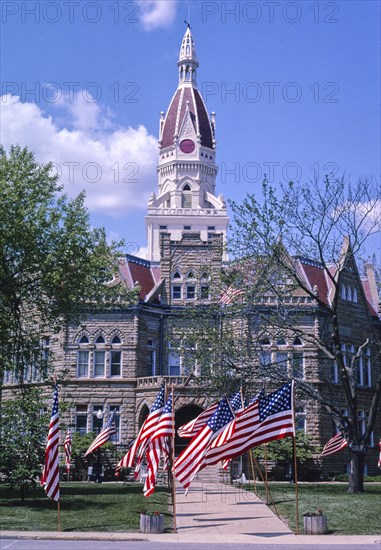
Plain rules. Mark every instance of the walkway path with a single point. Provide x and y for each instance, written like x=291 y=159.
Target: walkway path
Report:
x=217 y=513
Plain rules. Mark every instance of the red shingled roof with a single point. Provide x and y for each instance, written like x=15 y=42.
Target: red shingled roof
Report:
x=316 y=277
x=178 y=106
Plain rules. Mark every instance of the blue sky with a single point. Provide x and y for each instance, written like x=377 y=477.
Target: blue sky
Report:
x=295 y=85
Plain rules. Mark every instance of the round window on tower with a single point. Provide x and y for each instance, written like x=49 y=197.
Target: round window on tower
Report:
x=187 y=146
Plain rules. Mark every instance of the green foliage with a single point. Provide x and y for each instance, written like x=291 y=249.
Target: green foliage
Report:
x=23 y=439
x=280 y=456
x=282 y=451
x=52 y=262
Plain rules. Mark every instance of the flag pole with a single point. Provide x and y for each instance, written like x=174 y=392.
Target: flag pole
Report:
x=295 y=464
x=173 y=461
x=263 y=480
x=266 y=479
x=253 y=471
x=59 y=500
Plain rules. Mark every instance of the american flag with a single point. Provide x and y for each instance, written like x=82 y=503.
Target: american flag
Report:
x=157 y=445
x=67 y=447
x=266 y=419
x=148 y=428
x=123 y=462
x=192 y=428
x=50 y=478
x=192 y=459
x=104 y=435
x=335 y=444
x=230 y=295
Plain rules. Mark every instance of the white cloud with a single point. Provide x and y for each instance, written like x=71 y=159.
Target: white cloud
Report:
x=157 y=13
x=114 y=165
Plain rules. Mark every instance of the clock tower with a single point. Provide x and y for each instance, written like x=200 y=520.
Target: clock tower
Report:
x=186 y=201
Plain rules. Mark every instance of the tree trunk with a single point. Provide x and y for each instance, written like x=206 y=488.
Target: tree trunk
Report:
x=356 y=475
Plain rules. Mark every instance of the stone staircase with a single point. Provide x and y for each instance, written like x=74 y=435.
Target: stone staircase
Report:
x=211 y=474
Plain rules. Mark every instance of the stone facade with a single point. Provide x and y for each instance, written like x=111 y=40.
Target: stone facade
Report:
x=117 y=360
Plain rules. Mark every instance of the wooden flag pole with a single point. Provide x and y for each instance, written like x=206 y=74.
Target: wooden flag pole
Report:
x=172 y=463
x=271 y=498
x=59 y=514
x=253 y=471
x=266 y=479
x=295 y=464
x=59 y=500
x=296 y=488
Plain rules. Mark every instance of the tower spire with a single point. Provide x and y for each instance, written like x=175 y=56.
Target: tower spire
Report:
x=187 y=62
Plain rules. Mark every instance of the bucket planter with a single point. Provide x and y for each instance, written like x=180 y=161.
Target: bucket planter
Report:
x=151 y=522
x=315 y=524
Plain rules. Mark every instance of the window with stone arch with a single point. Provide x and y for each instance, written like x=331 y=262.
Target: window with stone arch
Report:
x=83 y=357
x=116 y=356
x=186 y=197
x=176 y=285
x=99 y=357
x=205 y=285
x=190 y=285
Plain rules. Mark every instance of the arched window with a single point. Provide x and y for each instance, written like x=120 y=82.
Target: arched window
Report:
x=343 y=292
x=99 y=358
x=116 y=358
x=354 y=297
x=281 y=342
x=83 y=358
x=186 y=199
x=349 y=293
x=265 y=342
x=297 y=342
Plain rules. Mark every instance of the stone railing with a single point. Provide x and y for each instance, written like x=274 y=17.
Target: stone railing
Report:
x=151 y=381
x=186 y=211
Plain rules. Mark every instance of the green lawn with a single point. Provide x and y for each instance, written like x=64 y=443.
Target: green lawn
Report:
x=347 y=514
x=84 y=507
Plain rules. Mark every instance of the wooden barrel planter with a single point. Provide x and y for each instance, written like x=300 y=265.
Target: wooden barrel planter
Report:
x=315 y=524
x=151 y=523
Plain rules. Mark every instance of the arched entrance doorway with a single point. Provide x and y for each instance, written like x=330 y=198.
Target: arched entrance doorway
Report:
x=182 y=416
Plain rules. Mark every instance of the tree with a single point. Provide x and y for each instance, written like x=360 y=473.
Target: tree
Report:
x=52 y=262
x=275 y=303
x=329 y=224
x=24 y=425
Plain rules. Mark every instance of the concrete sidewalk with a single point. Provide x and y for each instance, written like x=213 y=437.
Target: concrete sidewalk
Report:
x=216 y=513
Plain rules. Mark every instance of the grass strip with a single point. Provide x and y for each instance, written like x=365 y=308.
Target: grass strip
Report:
x=84 y=507
x=348 y=514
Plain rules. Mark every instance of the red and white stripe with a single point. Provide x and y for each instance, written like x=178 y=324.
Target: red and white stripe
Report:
x=231 y=295
x=50 y=478
x=104 y=436
x=192 y=428
x=67 y=447
x=158 y=445
x=247 y=431
x=334 y=445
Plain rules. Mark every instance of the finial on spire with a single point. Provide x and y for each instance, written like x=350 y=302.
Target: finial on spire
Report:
x=187 y=59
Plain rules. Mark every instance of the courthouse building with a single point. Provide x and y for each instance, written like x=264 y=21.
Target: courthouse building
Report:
x=117 y=360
